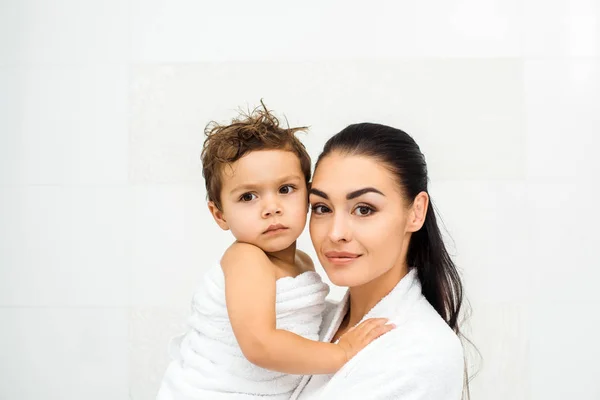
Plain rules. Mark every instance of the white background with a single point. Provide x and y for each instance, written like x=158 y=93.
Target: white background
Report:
x=103 y=224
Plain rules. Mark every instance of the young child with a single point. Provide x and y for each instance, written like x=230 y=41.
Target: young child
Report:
x=255 y=319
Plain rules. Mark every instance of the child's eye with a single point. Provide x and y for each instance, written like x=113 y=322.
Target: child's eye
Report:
x=247 y=197
x=319 y=209
x=363 y=211
x=286 y=189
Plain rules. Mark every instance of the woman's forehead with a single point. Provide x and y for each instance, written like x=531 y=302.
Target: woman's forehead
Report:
x=345 y=173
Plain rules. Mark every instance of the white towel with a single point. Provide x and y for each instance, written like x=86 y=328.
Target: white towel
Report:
x=207 y=360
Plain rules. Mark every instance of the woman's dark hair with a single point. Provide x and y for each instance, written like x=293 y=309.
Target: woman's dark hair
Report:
x=395 y=149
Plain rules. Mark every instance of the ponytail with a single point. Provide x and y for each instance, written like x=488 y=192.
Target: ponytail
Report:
x=439 y=278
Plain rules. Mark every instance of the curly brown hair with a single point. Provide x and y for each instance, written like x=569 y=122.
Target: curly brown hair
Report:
x=256 y=130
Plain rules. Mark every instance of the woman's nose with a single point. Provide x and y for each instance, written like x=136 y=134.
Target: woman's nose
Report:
x=340 y=229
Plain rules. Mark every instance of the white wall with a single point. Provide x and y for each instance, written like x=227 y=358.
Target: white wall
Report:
x=103 y=225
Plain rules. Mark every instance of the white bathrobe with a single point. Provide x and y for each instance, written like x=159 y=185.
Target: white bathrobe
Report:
x=421 y=359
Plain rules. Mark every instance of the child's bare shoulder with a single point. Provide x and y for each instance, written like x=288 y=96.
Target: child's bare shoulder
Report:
x=244 y=253
x=305 y=263
x=241 y=259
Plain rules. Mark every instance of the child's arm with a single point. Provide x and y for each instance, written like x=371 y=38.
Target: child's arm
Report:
x=250 y=295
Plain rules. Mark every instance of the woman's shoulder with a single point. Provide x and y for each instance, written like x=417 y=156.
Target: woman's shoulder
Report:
x=441 y=344
x=421 y=358
x=423 y=338
x=421 y=349
x=425 y=332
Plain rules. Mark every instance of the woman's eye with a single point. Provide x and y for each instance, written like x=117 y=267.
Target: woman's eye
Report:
x=287 y=189
x=247 y=197
x=363 y=211
x=319 y=209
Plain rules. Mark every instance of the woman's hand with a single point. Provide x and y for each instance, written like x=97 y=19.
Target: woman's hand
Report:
x=359 y=336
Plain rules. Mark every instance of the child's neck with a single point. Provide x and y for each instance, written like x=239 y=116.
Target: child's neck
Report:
x=286 y=256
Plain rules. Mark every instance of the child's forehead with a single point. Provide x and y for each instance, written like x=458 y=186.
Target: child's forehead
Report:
x=262 y=166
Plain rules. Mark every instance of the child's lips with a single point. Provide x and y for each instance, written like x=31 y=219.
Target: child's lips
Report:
x=276 y=228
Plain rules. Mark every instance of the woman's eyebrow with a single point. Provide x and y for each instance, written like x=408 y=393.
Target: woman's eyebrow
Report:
x=349 y=196
x=318 y=193
x=360 y=192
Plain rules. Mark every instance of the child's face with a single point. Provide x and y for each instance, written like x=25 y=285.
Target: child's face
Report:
x=264 y=199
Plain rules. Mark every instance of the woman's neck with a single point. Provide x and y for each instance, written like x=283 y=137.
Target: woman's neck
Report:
x=363 y=298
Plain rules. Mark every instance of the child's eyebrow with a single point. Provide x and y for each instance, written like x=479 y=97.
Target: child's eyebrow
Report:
x=250 y=186
x=244 y=188
x=290 y=178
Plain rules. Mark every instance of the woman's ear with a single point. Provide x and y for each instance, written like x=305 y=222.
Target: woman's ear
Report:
x=218 y=216
x=417 y=213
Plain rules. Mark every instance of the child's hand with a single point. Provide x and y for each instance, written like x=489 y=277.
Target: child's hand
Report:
x=359 y=336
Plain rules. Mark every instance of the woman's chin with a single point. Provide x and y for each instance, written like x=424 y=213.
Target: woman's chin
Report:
x=344 y=277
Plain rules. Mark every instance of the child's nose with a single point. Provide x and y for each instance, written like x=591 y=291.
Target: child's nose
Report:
x=272 y=208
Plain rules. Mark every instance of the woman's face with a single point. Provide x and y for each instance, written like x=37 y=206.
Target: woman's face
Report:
x=360 y=223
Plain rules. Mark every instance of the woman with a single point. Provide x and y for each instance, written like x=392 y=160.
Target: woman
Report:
x=374 y=230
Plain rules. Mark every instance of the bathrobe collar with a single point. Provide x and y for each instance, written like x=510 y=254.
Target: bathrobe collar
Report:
x=393 y=306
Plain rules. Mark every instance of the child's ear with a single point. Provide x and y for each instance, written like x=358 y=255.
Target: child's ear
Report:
x=418 y=211
x=218 y=216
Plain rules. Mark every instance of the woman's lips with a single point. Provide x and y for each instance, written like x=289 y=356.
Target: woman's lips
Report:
x=341 y=257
